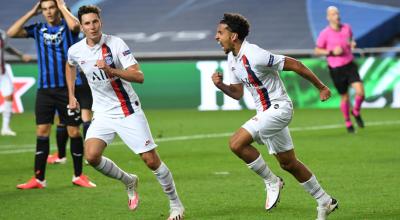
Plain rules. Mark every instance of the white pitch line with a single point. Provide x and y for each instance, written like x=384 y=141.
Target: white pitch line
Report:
x=10 y=149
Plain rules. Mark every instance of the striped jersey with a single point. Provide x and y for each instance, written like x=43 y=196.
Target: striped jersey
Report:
x=52 y=43
x=258 y=70
x=2 y=49
x=112 y=96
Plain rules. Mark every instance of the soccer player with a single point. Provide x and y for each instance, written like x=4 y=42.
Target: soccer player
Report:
x=258 y=70
x=6 y=84
x=110 y=68
x=52 y=38
x=336 y=43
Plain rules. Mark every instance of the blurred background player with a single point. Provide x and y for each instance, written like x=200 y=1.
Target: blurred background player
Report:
x=110 y=68
x=84 y=96
x=53 y=38
x=258 y=70
x=6 y=84
x=336 y=43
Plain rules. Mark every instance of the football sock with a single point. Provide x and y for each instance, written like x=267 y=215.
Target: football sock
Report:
x=166 y=181
x=62 y=138
x=77 y=154
x=110 y=169
x=42 y=151
x=312 y=186
x=345 y=108
x=7 y=112
x=261 y=168
x=357 y=104
x=85 y=126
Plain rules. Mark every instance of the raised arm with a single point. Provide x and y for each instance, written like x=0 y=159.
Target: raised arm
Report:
x=130 y=74
x=298 y=67
x=16 y=52
x=233 y=90
x=70 y=19
x=16 y=30
x=70 y=75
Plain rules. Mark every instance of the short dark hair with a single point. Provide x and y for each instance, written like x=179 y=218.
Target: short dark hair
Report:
x=236 y=23
x=87 y=9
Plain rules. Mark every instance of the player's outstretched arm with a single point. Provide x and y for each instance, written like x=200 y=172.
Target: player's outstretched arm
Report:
x=14 y=51
x=70 y=75
x=130 y=74
x=16 y=29
x=72 y=21
x=233 y=90
x=298 y=67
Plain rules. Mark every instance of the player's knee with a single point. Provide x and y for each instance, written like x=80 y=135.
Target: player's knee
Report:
x=92 y=159
x=289 y=165
x=235 y=145
x=151 y=160
x=73 y=132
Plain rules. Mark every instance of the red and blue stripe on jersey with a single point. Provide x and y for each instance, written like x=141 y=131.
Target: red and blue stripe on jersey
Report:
x=262 y=92
x=117 y=85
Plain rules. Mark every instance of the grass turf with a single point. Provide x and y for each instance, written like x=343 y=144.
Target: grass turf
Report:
x=360 y=170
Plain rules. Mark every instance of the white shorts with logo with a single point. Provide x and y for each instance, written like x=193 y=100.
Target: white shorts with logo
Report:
x=270 y=127
x=6 y=84
x=133 y=130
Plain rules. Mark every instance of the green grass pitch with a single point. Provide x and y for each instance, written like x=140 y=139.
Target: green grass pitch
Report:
x=361 y=170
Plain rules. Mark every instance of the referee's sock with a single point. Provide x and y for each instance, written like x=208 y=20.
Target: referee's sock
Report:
x=345 y=108
x=85 y=126
x=42 y=151
x=358 y=100
x=62 y=138
x=77 y=154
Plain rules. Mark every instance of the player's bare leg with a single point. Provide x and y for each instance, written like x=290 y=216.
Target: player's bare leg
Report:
x=94 y=149
x=289 y=162
x=240 y=144
x=164 y=177
x=7 y=113
x=358 y=99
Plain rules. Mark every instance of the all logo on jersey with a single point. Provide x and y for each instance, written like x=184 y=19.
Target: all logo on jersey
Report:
x=99 y=76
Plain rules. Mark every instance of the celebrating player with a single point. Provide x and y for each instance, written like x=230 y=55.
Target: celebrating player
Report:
x=53 y=39
x=6 y=84
x=110 y=68
x=336 y=42
x=258 y=70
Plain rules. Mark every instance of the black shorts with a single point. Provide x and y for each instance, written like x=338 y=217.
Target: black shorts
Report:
x=48 y=101
x=344 y=76
x=84 y=96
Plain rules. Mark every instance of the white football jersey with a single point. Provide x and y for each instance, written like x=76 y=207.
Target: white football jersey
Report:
x=3 y=37
x=112 y=96
x=258 y=70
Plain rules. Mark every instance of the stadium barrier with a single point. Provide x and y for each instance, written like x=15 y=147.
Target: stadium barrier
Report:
x=187 y=84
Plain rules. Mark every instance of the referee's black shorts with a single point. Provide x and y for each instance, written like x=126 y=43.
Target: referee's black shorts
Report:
x=344 y=76
x=48 y=101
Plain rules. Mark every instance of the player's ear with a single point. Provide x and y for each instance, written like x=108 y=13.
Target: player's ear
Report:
x=234 y=36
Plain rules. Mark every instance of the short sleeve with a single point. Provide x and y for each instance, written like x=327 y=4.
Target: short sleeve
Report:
x=72 y=60
x=233 y=79
x=125 y=55
x=31 y=30
x=321 y=41
x=272 y=61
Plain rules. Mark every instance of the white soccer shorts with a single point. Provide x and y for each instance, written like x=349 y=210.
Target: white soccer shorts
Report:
x=133 y=130
x=6 y=84
x=270 y=127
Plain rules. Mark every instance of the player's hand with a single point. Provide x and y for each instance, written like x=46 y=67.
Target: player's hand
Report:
x=337 y=51
x=26 y=58
x=324 y=93
x=73 y=104
x=217 y=78
x=36 y=9
x=60 y=3
x=101 y=64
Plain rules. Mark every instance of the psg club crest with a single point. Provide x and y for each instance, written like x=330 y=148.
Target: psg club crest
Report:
x=108 y=60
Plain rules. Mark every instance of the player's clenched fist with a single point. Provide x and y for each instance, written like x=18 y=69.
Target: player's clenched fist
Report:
x=217 y=78
x=325 y=94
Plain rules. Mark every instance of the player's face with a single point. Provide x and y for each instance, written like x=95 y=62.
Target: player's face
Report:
x=224 y=38
x=91 y=26
x=333 y=16
x=50 y=11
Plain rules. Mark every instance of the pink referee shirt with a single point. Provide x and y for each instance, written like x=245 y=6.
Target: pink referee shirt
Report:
x=328 y=39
